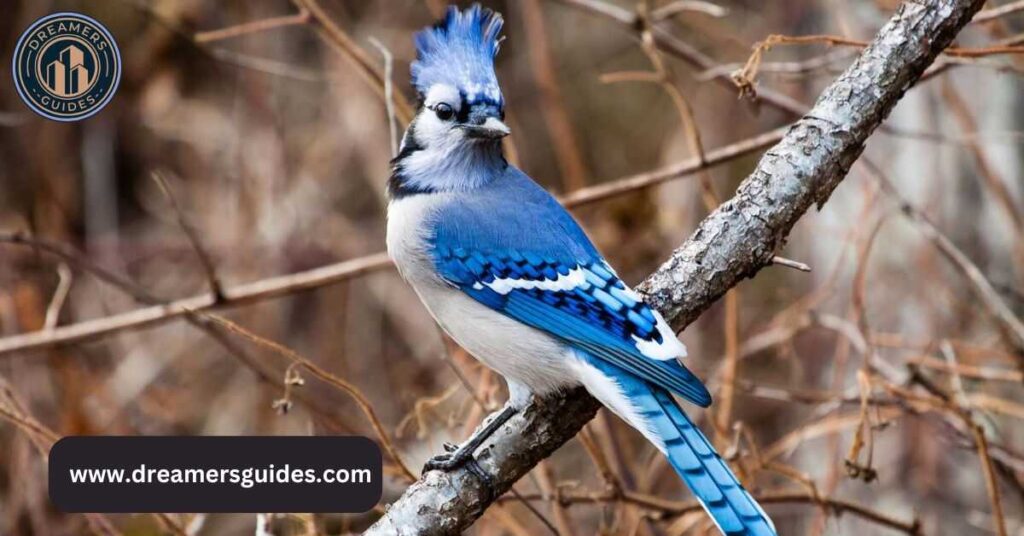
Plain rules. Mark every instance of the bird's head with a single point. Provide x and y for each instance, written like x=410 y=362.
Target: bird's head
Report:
x=455 y=139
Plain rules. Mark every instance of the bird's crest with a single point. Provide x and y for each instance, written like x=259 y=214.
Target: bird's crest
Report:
x=459 y=51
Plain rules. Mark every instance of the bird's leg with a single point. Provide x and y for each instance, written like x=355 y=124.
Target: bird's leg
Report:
x=458 y=455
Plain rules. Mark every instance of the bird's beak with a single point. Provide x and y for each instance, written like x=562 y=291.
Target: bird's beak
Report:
x=491 y=129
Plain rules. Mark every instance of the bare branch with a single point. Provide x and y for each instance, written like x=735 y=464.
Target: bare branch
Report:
x=302 y=17
x=354 y=53
x=672 y=9
x=389 y=94
x=78 y=259
x=645 y=180
x=746 y=77
x=671 y=44
x=732 y=243
x=233 y=296
x=59 y=296
x=989 y=15
x=193 y=238
x=982 y=288
x=361 y=400
x=571 y=164
x=789 y=263
x=275 y=287
x=991 y=484
x=43 y=438
x=679 y=508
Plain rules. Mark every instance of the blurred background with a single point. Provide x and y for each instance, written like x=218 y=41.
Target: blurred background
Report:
x=273 y=142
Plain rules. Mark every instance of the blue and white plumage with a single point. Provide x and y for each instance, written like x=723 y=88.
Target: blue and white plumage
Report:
x=459 y=51
x=511 y=277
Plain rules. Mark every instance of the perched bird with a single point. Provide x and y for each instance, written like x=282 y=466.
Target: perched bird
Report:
x=512 y=278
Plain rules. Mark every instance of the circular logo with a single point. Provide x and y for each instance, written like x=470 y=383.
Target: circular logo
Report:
x=66 y=66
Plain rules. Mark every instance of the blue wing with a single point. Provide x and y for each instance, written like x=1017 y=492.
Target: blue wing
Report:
x=530 y=261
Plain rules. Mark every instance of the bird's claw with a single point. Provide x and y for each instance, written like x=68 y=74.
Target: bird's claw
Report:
x=452 y=459
x=455 y=458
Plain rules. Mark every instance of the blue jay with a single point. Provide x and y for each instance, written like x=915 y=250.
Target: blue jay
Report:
x=512 y=278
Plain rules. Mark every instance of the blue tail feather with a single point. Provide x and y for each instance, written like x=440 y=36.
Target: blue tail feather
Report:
x=714 y=484
x=691 y=454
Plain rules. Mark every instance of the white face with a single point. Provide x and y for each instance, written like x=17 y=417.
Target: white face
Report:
x=446 y=158
x=435 y=126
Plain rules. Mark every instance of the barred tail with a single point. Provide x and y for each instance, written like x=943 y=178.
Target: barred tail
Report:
x=654 y=412
x=712 y=481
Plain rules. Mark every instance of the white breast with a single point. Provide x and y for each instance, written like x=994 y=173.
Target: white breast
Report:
x=518 y=352
x=409 y=221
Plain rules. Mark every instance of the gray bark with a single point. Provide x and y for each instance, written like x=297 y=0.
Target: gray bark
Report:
x=733 y=243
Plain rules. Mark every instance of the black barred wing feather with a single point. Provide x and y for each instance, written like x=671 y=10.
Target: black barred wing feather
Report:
x=583 y=304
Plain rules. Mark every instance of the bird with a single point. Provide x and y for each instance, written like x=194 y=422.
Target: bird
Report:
x=512 y=278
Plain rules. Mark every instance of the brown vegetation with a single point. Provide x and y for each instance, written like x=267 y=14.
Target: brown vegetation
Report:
x=203 y=257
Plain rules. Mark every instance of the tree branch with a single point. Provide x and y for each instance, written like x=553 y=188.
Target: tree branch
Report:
x=286 y=285
x=731 y=244
x=682 y=50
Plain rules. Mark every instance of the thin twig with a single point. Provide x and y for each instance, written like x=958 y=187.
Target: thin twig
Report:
x=72 y=257
x=12 y=409
x=69 y=255
x=678 y=48
x=59 y=296
x=389 y=94
x=233 y=296
x=302 y=17
x=979 y=284
x=823 y=62
x=971 y=371
x=995 y=184
x=327 y=377
x=991 y=484
x=745 y=78
x=43 y=438
x=712 y=158
x=679 y=508
x=193 y=238
x=679 y=6
x=598 y=457
x=854 y=467
x=230 y=57
x=548 y=486
x=991 y=14
x=285 y=285
x=789 y=263
x=571 y=165
x=355 y=54
x=663 y=76
x=958 y=384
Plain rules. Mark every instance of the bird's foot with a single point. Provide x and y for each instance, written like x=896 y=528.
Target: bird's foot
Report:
x=456 y=457
x=453 y=458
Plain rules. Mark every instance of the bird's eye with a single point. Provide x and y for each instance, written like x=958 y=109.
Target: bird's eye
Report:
x=444 y=111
